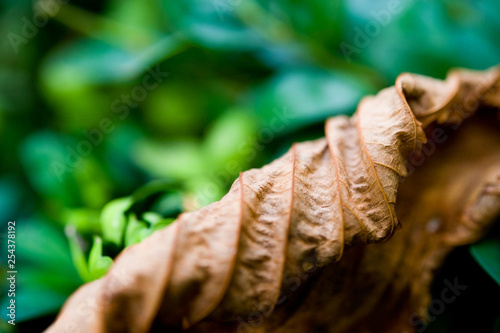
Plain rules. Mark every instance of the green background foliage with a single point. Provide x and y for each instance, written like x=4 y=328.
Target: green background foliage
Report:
x=115 y=116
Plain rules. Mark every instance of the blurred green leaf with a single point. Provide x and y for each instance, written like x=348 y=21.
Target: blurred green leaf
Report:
x=77 y=107
x=45 y=161
x=204 y=190
x=169 y=204
x=140 y=14
x=211 y=24
x=93 y=183
x=317 y=20
x=43 y=252
x=92 y=62
x=302 y=96
x=156 y=200
x=152 y=217
x=179 y=160
x=487 y=254
x=123 y=172
x=98 y=264
x=10 y=198
x=212 y=33
x=44 y=244
x=113 y=220
x=162 y=224
x=152 y=188
x=57 y=171
x=429 y=38
x=86 y=221
x=175 y=108
x=228 y=141
x=39 y=277
x=77 y=253
x=136 y=231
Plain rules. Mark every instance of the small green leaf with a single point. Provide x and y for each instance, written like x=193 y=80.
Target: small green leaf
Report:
x=136 y=231
x=77 y=254
x=487 y=254
x=162 y=224
x=98 y=264
x=113 y=220
x=152 y=217
x=84 y=220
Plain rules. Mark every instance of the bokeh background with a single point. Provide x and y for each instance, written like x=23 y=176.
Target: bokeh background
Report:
x=117 y=115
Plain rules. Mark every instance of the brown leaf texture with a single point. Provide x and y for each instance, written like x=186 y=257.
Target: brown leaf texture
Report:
x=306 y=244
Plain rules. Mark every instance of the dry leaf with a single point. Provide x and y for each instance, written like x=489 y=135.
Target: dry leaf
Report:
x=286 y=249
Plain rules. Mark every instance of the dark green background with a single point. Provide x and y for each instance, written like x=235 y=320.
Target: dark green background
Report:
x=234 y=67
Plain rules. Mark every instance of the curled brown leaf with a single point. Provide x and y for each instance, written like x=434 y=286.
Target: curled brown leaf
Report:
x=289 y=248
